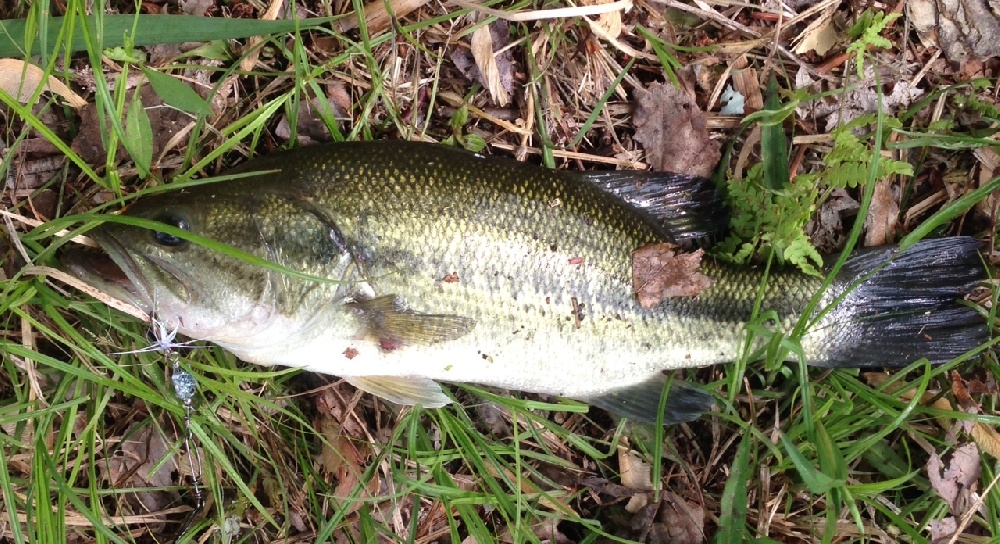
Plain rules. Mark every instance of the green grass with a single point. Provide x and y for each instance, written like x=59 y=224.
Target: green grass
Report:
x=795 y=454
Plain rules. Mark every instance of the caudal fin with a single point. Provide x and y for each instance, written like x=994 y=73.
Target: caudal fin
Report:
x=909 y=308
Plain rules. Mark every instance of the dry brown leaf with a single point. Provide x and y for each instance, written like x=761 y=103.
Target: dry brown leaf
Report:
x=377 y=19
x=338 y=451
x=883 y=216
x=635 y=473
x=270 y=14
x=826 y=231
x=483 y=51
x=610 y=22
x=21 y=79
x=987 y=438
x=195 y=7
x=961 y=393
x=680 y=521
x=674 y=132
x=496 y=57
x=659 y=273
x=820 y=36
x=941 y=530
x=747 y=83
x=140 y=465
x=311 y=128
x=637 y=502
x=989 y=165
x=346 y=451
x=864 y=97
x=957 y=482
x=167 y=125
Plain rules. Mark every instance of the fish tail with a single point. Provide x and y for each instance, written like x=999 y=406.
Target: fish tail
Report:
x=901 y=306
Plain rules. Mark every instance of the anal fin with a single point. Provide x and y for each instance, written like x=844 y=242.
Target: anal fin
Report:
x=641 y=402
x=402 y=389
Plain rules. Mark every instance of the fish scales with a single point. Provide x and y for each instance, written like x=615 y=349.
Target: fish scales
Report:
x=459 y=267
x=524 y=243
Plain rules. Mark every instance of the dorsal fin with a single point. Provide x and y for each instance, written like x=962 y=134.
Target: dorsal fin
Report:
x=689 y=208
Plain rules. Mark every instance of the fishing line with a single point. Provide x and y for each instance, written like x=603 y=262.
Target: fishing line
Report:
x=186 y=390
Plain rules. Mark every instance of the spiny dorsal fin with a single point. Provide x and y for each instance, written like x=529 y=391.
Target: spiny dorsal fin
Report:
x=402 y=389
x=689 y=208
x=641 y=402
x=396 y=326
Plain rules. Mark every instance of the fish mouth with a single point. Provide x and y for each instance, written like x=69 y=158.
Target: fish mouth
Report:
x=122 y=274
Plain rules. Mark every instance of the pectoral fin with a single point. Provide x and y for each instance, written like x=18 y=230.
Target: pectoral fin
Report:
x=396 y=326
x=402 y=390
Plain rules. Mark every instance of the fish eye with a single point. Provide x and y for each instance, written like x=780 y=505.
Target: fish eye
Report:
x=170 y=240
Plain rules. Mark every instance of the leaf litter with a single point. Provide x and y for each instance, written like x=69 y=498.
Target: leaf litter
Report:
x=674 y=131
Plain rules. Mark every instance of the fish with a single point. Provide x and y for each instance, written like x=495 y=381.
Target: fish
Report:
x=400 y=265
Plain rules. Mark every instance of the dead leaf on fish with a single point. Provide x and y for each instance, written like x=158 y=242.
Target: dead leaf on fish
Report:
x=659 y=273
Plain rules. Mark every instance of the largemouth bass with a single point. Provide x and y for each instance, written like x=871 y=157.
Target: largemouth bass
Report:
x=450 y=266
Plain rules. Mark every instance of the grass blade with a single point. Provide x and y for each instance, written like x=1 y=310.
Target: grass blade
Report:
x=773 y=143
x=142 y=30
x=734 y=505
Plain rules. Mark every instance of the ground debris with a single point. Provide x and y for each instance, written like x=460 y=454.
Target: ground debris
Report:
x=310 y=126
x=489 y=61
x=826 y=231
x=681 y=521
x=865 y=96
x=139 y=464
x=165 y=123
x=21 y=79
x=823 y=33
x=956 y=483
x=674 y=131
x=965 y=30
